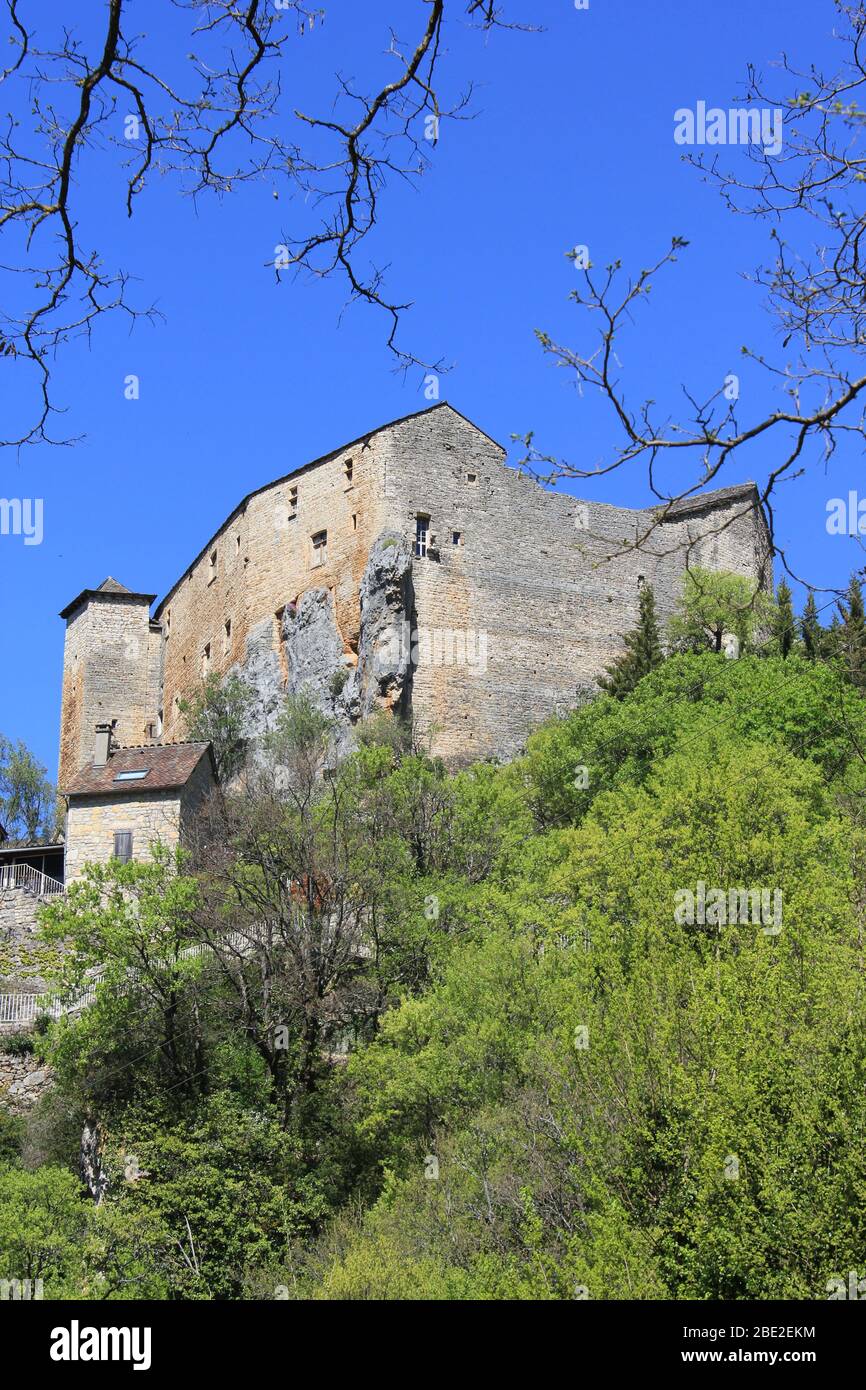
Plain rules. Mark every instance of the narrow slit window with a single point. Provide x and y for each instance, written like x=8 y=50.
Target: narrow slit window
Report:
x=205 y=660
x=318 y=548
x=455 y=537
x=422 y=535
x=227 y=636
x=212 y=567
x=293 y=503
x=348 y=470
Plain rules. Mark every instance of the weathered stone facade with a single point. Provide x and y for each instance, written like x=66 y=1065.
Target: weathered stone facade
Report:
x=93 y=821
x=111 y=667
x=519 y=597
x=24 y=960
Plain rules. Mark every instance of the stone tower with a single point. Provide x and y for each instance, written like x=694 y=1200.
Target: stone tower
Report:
x=110 y=672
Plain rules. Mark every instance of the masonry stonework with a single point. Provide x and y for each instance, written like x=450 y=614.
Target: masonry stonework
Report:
x=24 y=960
x=519 y=601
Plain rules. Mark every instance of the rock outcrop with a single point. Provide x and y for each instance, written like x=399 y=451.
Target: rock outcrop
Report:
x=314 y=661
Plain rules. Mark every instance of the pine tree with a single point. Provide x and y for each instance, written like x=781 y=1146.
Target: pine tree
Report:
x=811 y=630
x=852 y=644
x=643 y=651
x=784 y=626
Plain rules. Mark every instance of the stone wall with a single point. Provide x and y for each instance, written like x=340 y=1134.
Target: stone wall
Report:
x=539 y=586
x=262 y=560
x=23 y=1079
x=23 y=959
x=92 y=822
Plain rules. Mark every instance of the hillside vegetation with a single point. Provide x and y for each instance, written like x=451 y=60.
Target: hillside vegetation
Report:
x=535 y=1080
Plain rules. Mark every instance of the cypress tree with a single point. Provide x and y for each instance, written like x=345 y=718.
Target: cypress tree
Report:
x=784 y=625
x=852 y=640
x=643 y=651
x=811 y=630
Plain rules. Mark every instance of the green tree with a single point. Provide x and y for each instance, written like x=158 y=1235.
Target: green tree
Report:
x=784 y=625
x=852 y=637
x=217 y=713
x=715 y=602
x=643 y=652
x=28 y=801
x=811 y=631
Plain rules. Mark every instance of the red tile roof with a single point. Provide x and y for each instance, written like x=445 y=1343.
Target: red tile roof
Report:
x=168 y=765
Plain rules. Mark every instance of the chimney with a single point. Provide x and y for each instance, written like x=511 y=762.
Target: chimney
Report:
x=102 y=745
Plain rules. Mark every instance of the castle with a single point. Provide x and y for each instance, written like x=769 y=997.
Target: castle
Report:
x=410 y=570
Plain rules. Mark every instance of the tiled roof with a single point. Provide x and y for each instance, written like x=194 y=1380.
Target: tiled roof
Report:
x=167 y=765
x=108 y=587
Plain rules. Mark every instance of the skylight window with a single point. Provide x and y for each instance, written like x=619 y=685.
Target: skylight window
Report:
x=132 y=776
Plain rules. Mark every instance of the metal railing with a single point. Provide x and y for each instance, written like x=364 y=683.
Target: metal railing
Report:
x=25 y=1008
x=30 y=880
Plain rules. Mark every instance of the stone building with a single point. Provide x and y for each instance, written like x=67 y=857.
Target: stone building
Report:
x=411 y=569
x=126 y=799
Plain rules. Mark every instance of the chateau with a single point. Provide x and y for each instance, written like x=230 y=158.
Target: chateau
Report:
x=410 y=570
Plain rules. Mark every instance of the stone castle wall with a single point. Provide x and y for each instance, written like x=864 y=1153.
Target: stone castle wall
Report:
x=261 y=561
x=550 y=582
x=520 y=605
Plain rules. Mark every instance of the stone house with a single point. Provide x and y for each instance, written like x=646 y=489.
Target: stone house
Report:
x=127 y=798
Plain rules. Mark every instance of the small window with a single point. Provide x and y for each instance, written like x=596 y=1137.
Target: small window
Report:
x=205 y=660
x=422 y=534
x=348 y=470
x=123 y=845
x=640 y=581
x=167 y=621
x=212 y=567
x=472 y=477
x=319 y=548
x=227 y=636
x=238 y=543
x=293 y=503
x=455 y=537
x=135 y=776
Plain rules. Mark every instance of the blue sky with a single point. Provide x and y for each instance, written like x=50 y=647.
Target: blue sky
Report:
x=245 y=379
